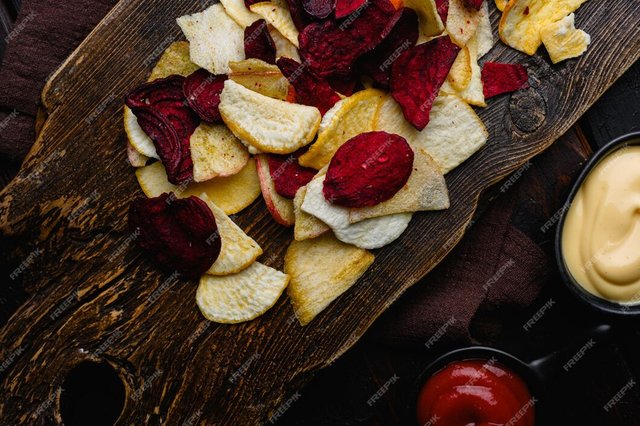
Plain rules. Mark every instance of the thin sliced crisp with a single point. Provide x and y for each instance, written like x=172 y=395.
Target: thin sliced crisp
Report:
x=429 y=20
x=215 y=39
x=137 y=137
x=322 y=269
x=260 y=77
x=215 y=151
x=426 y=190
x=306 y=226
x=460 y=73
x=238 y=250
x=523 y=20
x=348 y=118
x=563 y=41
x=367 y=234
x=454 y=133
x=462 y=22
x=239 y=12
x=240 y=297
x=135 y=158
x=283 y=46
x=281 y=208
x=276 y=13
x=473 y=93
x=174 y=61
x=484 y=33
x=232 y=194
x=501 y=4
x=270 y=125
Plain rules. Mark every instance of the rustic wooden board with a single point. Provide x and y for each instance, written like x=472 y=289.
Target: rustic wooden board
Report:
x=92 y=296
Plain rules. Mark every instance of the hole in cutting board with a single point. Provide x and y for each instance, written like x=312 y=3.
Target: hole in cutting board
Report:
x=92 y=393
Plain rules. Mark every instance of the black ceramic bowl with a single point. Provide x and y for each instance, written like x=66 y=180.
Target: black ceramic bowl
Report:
x=537 y=374
x=598 y=303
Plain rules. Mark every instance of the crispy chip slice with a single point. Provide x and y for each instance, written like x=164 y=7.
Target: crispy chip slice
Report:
x=135 y=158
x=270 y=125
x=306 y=225
x=348 y=118
x=215 y=151
x=232 y=194
x=238 y=251
x=239 y=12
x=430 y=23
x=460 y=73
x=174 y=60
x=260 y=77
x=563 y=41
x=426 y=190
x=522 y=21
x=322 y=269
x=501 y=4
x=484 y=33
x=462 y=22
x=473 y=93
x=454 y=133
x=240 y=297
x=276 y=13
x=215 y=39
x=137 y=137
x=367 y=234
x=281 y=208
x=283 y=46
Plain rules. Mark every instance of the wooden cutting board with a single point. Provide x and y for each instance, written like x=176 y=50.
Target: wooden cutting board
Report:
x=93 y=296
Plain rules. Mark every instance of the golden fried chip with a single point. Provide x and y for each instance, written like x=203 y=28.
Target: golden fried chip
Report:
x=348 y=118
x=232 y=194
x=240 y=297
x=523 y=20
x=429 y=20
x=214 y=38
x=281 y=208
x=137 y=137
x=284 y=48
x=215 y=151
x=484 y=33
x=473 y=93
x=239 y=12
x=261 y=77
x=135 y=158
x=306 y=226
x=174 y=61
x=322 y=269
x=460 y=73
x=563 y=41
x=270 y=125
x=462 y=22
x=238 y=251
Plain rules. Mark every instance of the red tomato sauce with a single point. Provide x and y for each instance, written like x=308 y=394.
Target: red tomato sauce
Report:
x=475 y=393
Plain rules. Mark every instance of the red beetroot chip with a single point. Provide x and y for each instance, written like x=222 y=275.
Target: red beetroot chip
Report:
x=179 y=234
x=500 y=78
x=418 y=74
x=319 y=9
x=368 y=169
x=163 y=113
x=346 y=86
x=258 y=42
x=202 y=91
x=442 y=6
x=310 y=90
x=331 y=48
x=297 y=14
x=403 y=34
x=347 y=7
x=288 y=175
x=473 y=4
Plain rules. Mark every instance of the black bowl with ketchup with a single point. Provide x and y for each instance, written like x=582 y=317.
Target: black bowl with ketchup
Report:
x=477 y=385
x=572 y=271
x=480 y=385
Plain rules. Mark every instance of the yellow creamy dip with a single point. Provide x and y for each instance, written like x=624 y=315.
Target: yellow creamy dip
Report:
x=601 y=234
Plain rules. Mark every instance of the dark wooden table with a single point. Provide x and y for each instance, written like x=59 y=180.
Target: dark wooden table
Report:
x=339 y=395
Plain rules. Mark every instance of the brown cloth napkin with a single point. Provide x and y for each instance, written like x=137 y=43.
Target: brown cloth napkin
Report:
x=496 y=266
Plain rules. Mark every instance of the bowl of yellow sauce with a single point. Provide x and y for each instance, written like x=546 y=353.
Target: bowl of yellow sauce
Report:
x=598 y=235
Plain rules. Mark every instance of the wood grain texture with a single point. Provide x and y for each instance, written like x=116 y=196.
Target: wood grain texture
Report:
x=93 y=296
